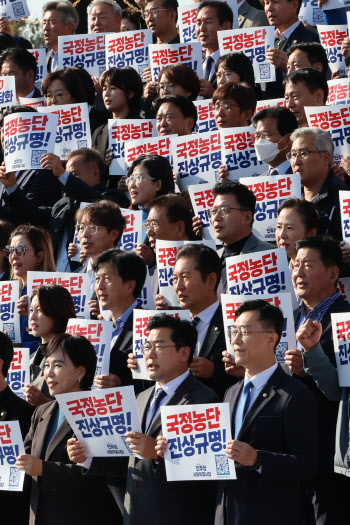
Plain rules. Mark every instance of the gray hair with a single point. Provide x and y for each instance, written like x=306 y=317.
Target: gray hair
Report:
x=68 y=13
x=322 y=139
x=116 y=8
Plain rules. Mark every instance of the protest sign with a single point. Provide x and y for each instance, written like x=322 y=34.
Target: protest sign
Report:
x=14 y=10
x=9 y=317
x=165 y=254
x=162 y=55
x=7 y=91
x=28 y=136
x=86 y=51
x=343 y=285
x=335 y=120
x=129 y=48
x=259 y=273
x=338 y=91
x=196 y=158
x=197 y=437
x=41 y=65
x=238 y=152
x=344 y=199
x=154 y=146
x=202 y=200
x=270 y=192
x=19 y=372
x=101 y=418
x=283 y=301
x=311 y=13
x=187 y=16
x=77 y=284
x=76 y=241
x=335 y=4
x=140 y=320
x=271 y=103
x=32 y=102
x=253 y=42
x=73 y=128
x=341 y=341
x=331 y=38
x=122 y=130
x=205 y=116
x=132 y=233
x=99 y=333
x=11 y=446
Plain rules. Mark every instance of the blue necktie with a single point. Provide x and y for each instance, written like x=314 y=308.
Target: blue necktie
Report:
x=155 y=403
x=207 y=67
x=246 y=396
x=118 y=328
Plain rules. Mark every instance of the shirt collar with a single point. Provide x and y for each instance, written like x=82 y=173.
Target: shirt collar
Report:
x=287 y=32
x=124 y=317
x=30 y=95
x=260 y=379
x=52 y=53
x=283 y=167
x=172 y=385
x=215 y=55
x=206 y=315
x=323 y=305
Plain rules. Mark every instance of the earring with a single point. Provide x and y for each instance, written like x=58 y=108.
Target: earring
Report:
x=79 y=379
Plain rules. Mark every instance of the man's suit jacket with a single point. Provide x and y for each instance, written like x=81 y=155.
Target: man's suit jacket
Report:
x=147 y=490
x=249 y=16
x=267 y=172
x=63 y=494
x=37 y=93
x=252 y=245
x=213 y=345
x=300 y=34
x=281 y=424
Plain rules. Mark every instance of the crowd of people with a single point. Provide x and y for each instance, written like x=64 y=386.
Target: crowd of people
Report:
x=290 y=420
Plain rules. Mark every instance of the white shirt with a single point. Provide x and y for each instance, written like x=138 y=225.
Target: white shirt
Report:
x=281 y=168
x=202 y=326
x=258 y=382
x=169 y=389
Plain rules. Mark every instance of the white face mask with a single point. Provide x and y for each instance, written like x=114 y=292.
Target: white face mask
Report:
x=267 y=151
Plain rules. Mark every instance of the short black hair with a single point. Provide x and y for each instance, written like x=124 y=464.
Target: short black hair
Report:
x=270 y=316
x=74 y=81
x=244 y=196
x=176 y=210
x=127 y=79
x=6 y=352
x=242 y=93
x=286 y=120
x=80 y=351
x=206 y=260
x=158 y=168
x=311 y=78
x=240 y=64
x=223 y=11
x=315 y=53
x=328 y=248
x=307 y=210
x=23 y=59
x=129 y=266
x=183 y=333
x=90 y=156
x=185 y=105
x=103 y=213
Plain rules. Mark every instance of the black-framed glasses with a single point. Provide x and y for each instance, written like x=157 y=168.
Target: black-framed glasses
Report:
x=146 y=14
x=235 y=330
x=302 y=153
x=221 y=210
x=225 y=106
x=157 y=348
x=167 y=87
x=19 y=250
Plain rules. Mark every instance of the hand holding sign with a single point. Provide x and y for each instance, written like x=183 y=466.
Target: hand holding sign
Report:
x=309 y=334
x=142 y=445
x=241 y=452
x=32 y=465
x=161 y=446
x=230 y=366
x=7 y=179
x=76 y=451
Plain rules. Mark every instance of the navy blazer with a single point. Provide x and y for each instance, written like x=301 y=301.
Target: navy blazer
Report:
x=281 y=424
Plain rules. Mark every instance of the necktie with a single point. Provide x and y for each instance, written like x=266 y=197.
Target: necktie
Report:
x=280 y=42
x=194 y=321
x=246 y=396
x=155 y=403
x=207 y=67
x=273 y=171
x=118 y=327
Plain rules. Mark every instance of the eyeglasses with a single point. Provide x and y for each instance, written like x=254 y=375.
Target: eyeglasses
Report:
x=225 y=106
x=167 y=87
x=137 y=179
x=222 y=211
x=243 y=332
x=302 y=153
x=92 y=229
x=263 y=135
x=57 y=96
x=19 y=250
x=146 y=14
x=151 y=225
x=157 y=348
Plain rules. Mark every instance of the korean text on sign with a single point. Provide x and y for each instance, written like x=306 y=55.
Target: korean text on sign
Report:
x=238 y=152
x=162 y=55
x=128 y=48
x=341 y=339
x=86 y=51
x=11 y=446
x=9 y=317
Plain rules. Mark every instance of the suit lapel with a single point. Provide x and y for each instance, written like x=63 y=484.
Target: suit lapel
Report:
x=42 y=429
x=63 y=433
x=143 y=405
x=214 y=329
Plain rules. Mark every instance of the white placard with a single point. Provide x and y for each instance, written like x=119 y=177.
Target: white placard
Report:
x=19 y=372
x=129 y=48
x=311 y=13
x=32 y=102
x=270 y=103
x=86 y=51
x=14 y=10
x=331 y=38
x=238 y=153
x=41 y=65
x=7 y=91
x=202 y=200
x=341 y=341
x=101 y=418
x=11 y=444
x=193 y=453
x=205 y=116
x=132 y=233
x=9 y=317
x=344 y=198
x=338 y=91
x=162 y=55
x=155 y=146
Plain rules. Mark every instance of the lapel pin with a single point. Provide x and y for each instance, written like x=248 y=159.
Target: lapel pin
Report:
x=216 y=328
x=264 y=394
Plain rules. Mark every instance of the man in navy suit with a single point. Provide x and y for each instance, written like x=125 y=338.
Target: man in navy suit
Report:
x=283 y=15
x=22 y=65
x=273 y=429
x=273 y=127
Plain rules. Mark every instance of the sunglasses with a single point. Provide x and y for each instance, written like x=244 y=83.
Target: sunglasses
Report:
x=19 y=250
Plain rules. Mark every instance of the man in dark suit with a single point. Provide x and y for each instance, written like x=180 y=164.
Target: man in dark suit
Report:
x=289 y=30
x=196 y=278
x=273 y=428
x=315 y=275
x=168 y=353
x=120 y=277
x=212 y=16
x=21 y=64
x=13 y=408
x=273 y=127
x=82 y=182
